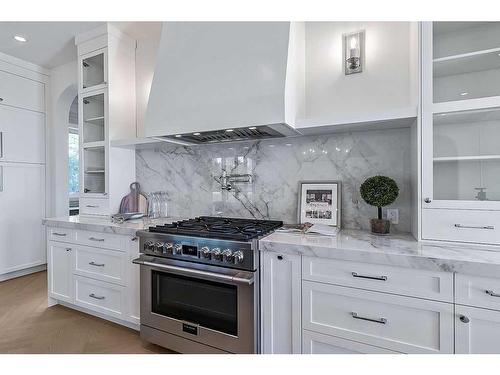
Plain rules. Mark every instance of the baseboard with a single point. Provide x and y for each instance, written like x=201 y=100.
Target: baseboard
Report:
x=24 y=272
x=125 y=323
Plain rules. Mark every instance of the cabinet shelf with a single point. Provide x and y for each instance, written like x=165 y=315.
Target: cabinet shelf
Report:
x=466 y=158
x=95 y=120
x=467 y=62
x=93 y=144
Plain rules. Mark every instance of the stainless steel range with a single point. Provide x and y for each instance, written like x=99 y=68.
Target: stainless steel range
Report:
x=200 y=284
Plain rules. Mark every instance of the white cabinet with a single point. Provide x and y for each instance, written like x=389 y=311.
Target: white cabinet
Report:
x=17 y=91
x=403 y=324
x=107 y=103
x=60 y=277
x=22 y=207
x=94 y=271
x=460 y=126
x=317 y=343
x=22 y=135
x=281 y=303
x=477 y=331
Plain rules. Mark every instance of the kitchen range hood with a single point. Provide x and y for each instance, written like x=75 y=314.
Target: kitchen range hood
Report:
x=227 y=81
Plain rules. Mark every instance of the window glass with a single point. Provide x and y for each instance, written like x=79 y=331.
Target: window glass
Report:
x=73 y=164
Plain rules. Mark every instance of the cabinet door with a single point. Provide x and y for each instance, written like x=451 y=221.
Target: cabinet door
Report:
x=21 y=92
x=281 y=303
x=22 y=208
x=60 y=267
x=477 y=331
x=133 y=288
x=22 y=135
x=317 y=343
x=461 y=117
x=93 y=70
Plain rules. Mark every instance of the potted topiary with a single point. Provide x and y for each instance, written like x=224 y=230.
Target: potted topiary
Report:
x=379 y=191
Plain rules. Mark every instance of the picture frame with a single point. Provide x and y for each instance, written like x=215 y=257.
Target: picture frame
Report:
x=320 y=202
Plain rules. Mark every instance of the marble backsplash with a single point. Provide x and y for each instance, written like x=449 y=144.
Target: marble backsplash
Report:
x=190 y=175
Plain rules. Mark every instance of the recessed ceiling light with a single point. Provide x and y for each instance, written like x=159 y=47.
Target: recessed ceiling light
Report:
x=196 y=133
x=230 y=130
x=20 y=38
x=464 y=93
x=177 y=136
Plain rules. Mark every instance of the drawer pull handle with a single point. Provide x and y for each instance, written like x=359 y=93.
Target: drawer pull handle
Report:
x=492 y=293
x=473 y=227
x=381 y=278
x=92 y=206
x=92 y=295
x=96 y=239
x=59 y=234
x=96 y=264
x=380 y=320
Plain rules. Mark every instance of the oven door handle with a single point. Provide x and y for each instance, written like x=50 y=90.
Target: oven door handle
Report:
x=194 y=272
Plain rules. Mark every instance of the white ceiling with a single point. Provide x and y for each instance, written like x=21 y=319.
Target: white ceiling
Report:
x=51 y=44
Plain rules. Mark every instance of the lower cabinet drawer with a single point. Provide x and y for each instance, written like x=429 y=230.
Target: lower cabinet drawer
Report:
x=477 y=291
x=317 y=343
x=106 y=265
x=61 y=234
x=380 y=278
x=475 y=226
x=101 y=240
x=99 y=296
x=94 y=206
x=402 y=324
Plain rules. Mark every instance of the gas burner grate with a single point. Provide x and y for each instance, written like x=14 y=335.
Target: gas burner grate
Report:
x=220 y=228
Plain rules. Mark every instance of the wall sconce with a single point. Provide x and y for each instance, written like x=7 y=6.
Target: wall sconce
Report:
x=354 y=52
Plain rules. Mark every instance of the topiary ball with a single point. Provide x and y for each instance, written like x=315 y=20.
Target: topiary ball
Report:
x=379 y=191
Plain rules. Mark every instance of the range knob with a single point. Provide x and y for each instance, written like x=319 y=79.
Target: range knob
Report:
x=177 y=249
x=205 y=252
x=238 y=256
x=149 y=245
x=216 y=254
x=167 y=248
x=158 y=247
x=227 y=256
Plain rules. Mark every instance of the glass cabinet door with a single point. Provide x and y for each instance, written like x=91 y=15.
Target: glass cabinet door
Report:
x=94 y=170
x=466 y=158
x=461 y=114
x=93 y=119
x=93 y=70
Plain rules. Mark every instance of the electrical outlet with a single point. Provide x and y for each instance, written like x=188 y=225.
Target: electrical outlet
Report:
x=393 y=215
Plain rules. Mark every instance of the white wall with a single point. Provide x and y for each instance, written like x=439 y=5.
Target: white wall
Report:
x=63 y=89
x=387 y=82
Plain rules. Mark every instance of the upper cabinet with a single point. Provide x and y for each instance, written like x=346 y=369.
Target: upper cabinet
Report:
x=93 y=70
x=460 y=130
x=107 y=112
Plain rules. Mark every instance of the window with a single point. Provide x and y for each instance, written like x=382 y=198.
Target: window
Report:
x=73 y=163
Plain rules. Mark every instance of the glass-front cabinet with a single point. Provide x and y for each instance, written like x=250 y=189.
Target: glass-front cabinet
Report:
x=93 y=70
x=93 y=125
x=461 y=115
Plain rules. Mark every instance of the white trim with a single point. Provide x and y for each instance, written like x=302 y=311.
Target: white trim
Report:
x=23 y=270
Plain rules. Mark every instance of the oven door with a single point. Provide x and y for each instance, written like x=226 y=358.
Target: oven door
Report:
x=211 y=305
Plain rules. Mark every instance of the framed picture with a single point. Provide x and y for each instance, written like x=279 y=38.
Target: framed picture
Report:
x=319 y=202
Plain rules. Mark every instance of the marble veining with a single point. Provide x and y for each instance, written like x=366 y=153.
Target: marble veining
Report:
x=397 y=250
x=190 y=175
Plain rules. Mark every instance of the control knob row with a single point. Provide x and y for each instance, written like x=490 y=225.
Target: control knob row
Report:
x=226 y=256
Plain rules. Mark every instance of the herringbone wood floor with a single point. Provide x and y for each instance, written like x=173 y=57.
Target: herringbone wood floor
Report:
x=27 y=325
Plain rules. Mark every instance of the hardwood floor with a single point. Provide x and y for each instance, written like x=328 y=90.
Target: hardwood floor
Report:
x=27 y=325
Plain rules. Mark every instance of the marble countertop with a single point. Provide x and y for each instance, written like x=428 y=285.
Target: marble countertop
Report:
x=398 y=250
x=104 y=224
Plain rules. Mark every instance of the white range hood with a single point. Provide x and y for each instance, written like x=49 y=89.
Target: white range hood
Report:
x=227 y=81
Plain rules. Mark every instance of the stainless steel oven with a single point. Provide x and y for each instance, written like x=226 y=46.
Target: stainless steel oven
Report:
x=198 y=308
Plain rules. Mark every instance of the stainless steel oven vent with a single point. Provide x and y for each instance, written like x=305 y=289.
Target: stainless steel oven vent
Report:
x=234 y=135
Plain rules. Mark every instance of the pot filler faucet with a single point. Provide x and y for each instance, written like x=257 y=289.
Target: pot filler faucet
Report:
x=227 y=180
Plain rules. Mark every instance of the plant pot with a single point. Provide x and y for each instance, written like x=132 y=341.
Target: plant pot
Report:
x=380 y=226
